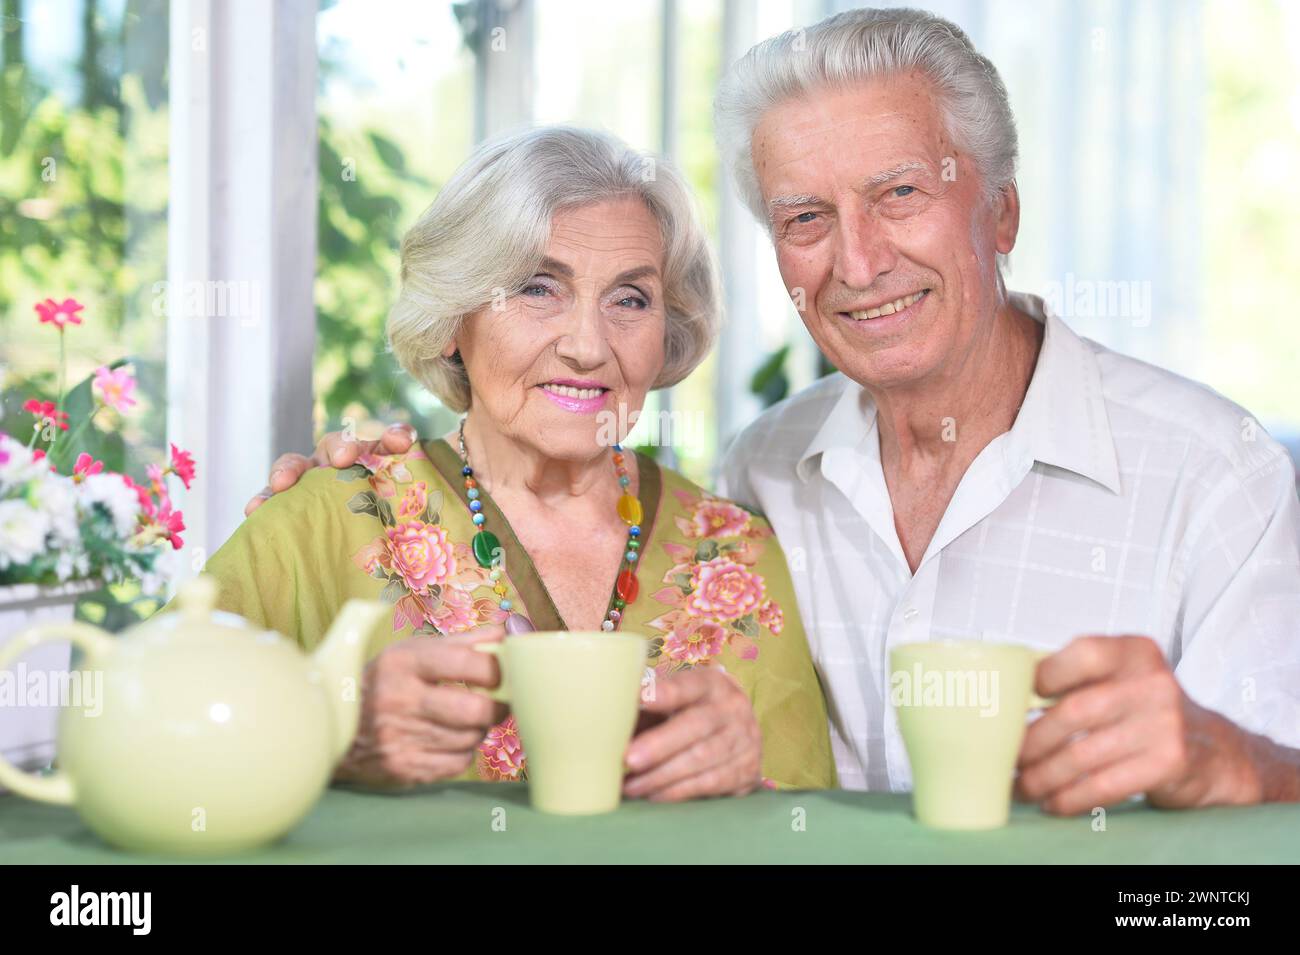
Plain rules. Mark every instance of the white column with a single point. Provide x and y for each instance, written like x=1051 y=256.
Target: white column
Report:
x=740 y=348
x=241 y=323
x=503 y=65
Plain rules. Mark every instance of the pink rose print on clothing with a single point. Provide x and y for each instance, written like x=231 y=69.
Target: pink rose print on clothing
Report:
x=456 y=613
x=421 y=554
x=770 y=616
x=413 y=501
x=695 y=644
x=385 y=469
x=723 y=590
x=503 y=753
x=718 y=601
x=719 y=519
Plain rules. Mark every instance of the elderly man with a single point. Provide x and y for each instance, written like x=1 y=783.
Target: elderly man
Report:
x=976 y=467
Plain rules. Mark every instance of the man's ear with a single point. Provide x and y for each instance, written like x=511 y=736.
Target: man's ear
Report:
x=1007 y=209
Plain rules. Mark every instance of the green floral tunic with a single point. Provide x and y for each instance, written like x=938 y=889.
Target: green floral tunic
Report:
x=713 y=587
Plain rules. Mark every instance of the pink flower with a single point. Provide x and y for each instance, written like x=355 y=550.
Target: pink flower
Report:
x=373 y=556
x=502 y=752
x=142 y=493
x=171 y=524
x=722 y=589
x=59 y=314
x=47 y=413
x=384 y=470
x=456 y=612
x=155 y=474
x=770 y=616
x=421 y=554
x=85 y=467
x=114 y=388
x=719 y=519
x=488 y=611
x=413 y=501
x=182 y=466
x=696 y=644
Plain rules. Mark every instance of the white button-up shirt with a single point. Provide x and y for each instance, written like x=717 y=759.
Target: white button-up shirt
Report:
x=1124 y=500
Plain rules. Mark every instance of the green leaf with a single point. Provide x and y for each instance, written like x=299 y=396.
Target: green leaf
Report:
x=746 y=625
x=706 y=550
x=352 y=473
x=389 y=152
x=432 y=508
x=393 y=592
x=364 y=502
x=769 y=382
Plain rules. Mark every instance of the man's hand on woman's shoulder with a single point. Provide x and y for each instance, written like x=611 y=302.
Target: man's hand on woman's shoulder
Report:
x=336 y=450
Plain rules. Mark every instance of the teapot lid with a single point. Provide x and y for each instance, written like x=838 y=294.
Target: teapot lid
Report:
x=197 y=597
x=194 y=609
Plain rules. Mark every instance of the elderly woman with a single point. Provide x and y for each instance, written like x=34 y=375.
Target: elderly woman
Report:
x=547 y=289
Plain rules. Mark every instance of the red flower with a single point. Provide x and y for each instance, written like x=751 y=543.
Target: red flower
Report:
x=46 y=412
x=59 y=314
x=182 y=466
x=85 y=467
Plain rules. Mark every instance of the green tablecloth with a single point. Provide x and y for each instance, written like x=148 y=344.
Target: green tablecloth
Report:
x=454 y=823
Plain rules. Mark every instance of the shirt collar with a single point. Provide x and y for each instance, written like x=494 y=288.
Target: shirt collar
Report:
x=851 y=423
x=1063 y=420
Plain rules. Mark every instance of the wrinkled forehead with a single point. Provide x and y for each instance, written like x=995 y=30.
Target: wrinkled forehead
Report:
x=884 y=122
x=611 y=234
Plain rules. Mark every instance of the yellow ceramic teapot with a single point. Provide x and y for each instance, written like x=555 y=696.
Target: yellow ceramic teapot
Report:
x=207 y=735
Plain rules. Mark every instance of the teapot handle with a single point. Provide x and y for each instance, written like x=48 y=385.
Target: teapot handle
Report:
x=57 y=787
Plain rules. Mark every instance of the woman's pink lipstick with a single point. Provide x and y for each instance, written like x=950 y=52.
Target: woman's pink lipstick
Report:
x=575 y=403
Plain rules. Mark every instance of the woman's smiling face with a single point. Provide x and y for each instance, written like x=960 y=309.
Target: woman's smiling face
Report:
x=551 y=365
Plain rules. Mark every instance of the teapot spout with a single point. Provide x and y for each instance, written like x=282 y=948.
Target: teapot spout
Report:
x=339 y=661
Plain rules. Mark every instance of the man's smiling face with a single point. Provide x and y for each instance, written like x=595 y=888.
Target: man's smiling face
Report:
x=882 y=222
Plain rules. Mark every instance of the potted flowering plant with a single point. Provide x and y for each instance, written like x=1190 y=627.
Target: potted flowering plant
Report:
x=69 y=526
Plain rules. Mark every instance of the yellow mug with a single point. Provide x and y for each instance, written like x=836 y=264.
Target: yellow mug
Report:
x=961 y=708
x=575 y=696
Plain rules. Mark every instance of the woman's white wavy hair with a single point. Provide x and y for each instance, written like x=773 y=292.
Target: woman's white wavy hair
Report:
x=487 y=231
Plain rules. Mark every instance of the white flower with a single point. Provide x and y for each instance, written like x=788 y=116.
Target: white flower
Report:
x=22 y=466
x=53 y=495
x=121 y=502
x=165 y=566
x=72 y=562
x=22 y=532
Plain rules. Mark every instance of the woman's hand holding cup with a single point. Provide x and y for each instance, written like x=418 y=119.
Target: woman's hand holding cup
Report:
x=417 y=726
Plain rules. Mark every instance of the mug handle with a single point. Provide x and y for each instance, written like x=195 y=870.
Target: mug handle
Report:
x=502 y=693
x=57 y=787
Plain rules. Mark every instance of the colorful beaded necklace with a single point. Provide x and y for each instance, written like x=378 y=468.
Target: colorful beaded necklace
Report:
x=488 y=552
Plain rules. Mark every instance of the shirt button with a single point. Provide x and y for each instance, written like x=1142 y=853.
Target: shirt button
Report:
x=909 y=613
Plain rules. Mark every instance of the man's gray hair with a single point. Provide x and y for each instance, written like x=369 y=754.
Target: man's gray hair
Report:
x=485 y=235
x=860 y=45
